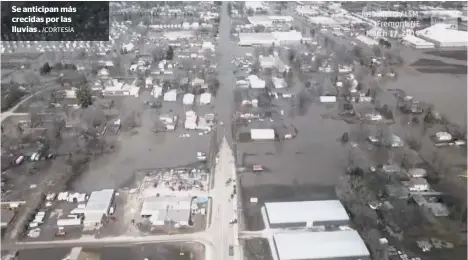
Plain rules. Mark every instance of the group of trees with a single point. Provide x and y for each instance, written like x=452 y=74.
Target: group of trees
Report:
x=386 y=112
x=84 y=96
x=45 y=69
x=11 y=96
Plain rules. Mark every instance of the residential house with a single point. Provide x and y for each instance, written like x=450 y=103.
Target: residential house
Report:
x=417 y=173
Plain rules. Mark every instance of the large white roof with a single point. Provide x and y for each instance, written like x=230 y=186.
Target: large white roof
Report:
x=305 y=211
x=256 y=36
x=443 y=34
x=259 y=20
x=417 y=41
x=287 y=36
x=367 y=40
x=254 y=4
x=100 y=201
x=322 y=20
x=320 y=245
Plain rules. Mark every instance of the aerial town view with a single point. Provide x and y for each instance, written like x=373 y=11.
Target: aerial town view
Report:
x=240 y=131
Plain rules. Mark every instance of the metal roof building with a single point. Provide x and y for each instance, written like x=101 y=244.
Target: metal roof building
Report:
x=247 y=39
x=100 y=201
x=161 y=210
x=443 y=35
x=306 y=213
x=320 y=245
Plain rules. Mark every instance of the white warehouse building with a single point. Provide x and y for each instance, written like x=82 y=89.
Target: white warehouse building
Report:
x=320 y=246
x=306 y=214
x=442 y=35
x=417 y=43
x=267 y=39
x=167 y=210
x=267 y=21
x=366 y=40
x=249 y=39
x=98 y=206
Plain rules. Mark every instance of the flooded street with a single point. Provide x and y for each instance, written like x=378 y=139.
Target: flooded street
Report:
x=140 y=148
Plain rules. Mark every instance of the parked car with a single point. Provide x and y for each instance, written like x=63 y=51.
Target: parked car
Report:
x=19 y=160
x=201 y=156
x=60 y=233
x=258 y=168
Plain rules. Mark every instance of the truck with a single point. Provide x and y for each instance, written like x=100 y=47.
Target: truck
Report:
x=69 y=222
x=262 y=134
x=201 y=156
x=257 y=168
x=19 y=160
x=60 y=233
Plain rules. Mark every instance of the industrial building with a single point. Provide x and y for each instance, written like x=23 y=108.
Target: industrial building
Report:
x=320 y=245
x=249 y=39
x=366 y=40
x=443 y=35
x=267 y=21
x=98 y=206
x=290 y=37
x=306 y=214
x=323 y=20
x=304 y=10
x=167 y=210
x=417 y=43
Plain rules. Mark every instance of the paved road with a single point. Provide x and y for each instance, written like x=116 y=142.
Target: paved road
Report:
x=222 y=232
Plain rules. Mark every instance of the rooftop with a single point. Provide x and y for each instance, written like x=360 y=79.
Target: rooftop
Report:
x=259 y=19
x=305 y=211
x=322 y=20
x=320 y=245
x=256 y=36
x=178 y=215
x=443 y=33
x=417 y=41
x=100 y=200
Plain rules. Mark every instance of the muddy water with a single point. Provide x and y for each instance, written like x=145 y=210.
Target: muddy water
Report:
x=156 y=252
x=141 y=150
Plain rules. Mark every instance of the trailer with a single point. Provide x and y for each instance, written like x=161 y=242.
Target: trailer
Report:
x=69 y=222
x=262 y=134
